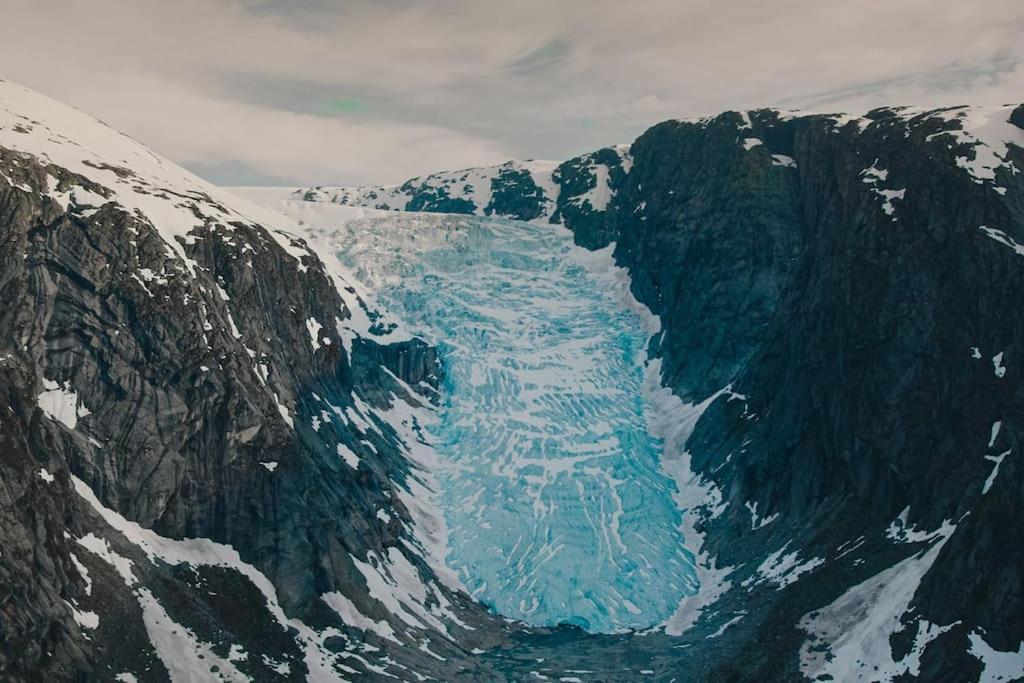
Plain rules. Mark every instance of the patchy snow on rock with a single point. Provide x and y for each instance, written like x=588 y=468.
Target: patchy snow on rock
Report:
x=598 y=196
x=173 y=200
x=350 y=458
x=99 y=547
x=395 y=583
x=757 y=522
x=722 y=629
x=994 y=433
x=988 y=131
x=283 y=410
x=45 y=475
x=873 y=176
x=901 y=532
x=625 y=153
x=321 y=661
x=849 y=638
x=781 y=568
x=751 y=143
x=83 y=572
x=351 y=615
x=473 y=185
x=473 y=191
x=1002 y=238
x=186 y=657
x=88 y=620
x=887 y=197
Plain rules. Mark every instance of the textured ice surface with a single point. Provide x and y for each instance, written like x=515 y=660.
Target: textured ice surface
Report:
x=557 y=509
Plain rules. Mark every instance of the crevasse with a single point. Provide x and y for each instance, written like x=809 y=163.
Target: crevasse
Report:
x=558 y=511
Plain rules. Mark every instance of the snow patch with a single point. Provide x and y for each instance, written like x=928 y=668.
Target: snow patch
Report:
x=998 y=666
x=783 y=160
x=997 y=365
x=1002 y=238
x=61 y=403
x=849 y=638
x=350 y=458
x=782 y=569
x=998 y=460
x=314 y=327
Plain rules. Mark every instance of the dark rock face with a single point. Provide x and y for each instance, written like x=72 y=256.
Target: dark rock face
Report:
x=203 y=394
x=514 y=193
x=577 y=178
x=854 y=283
x=851 y=330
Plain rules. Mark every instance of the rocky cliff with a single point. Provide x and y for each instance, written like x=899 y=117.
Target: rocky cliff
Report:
x=209 y=446
x=839 y=301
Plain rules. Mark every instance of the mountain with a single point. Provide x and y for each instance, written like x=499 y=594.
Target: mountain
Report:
x=838 y=298
x=211 y=464
x=223 y=458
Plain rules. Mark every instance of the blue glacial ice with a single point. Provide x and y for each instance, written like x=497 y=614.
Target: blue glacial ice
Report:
x=557 y=509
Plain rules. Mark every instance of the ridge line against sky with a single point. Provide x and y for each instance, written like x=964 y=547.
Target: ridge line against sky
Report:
x=303 y=92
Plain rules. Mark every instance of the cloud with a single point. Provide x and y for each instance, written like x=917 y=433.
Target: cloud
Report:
x=311 y=91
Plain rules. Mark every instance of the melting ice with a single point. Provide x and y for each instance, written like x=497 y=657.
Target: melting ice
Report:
x=557 y=509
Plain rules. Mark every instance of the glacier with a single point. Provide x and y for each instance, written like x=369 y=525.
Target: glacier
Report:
x=557 y=507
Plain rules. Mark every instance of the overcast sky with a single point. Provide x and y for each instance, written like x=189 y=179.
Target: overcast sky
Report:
x=356 y=91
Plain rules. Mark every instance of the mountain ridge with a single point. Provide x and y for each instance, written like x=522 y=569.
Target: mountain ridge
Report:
x=740 y=230
x=214 y=461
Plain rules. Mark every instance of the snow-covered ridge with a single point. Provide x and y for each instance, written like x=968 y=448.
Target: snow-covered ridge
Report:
x=535 y=186
x=140 y=181
x=472 y=185
x=536 y=190
x=985 y=130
